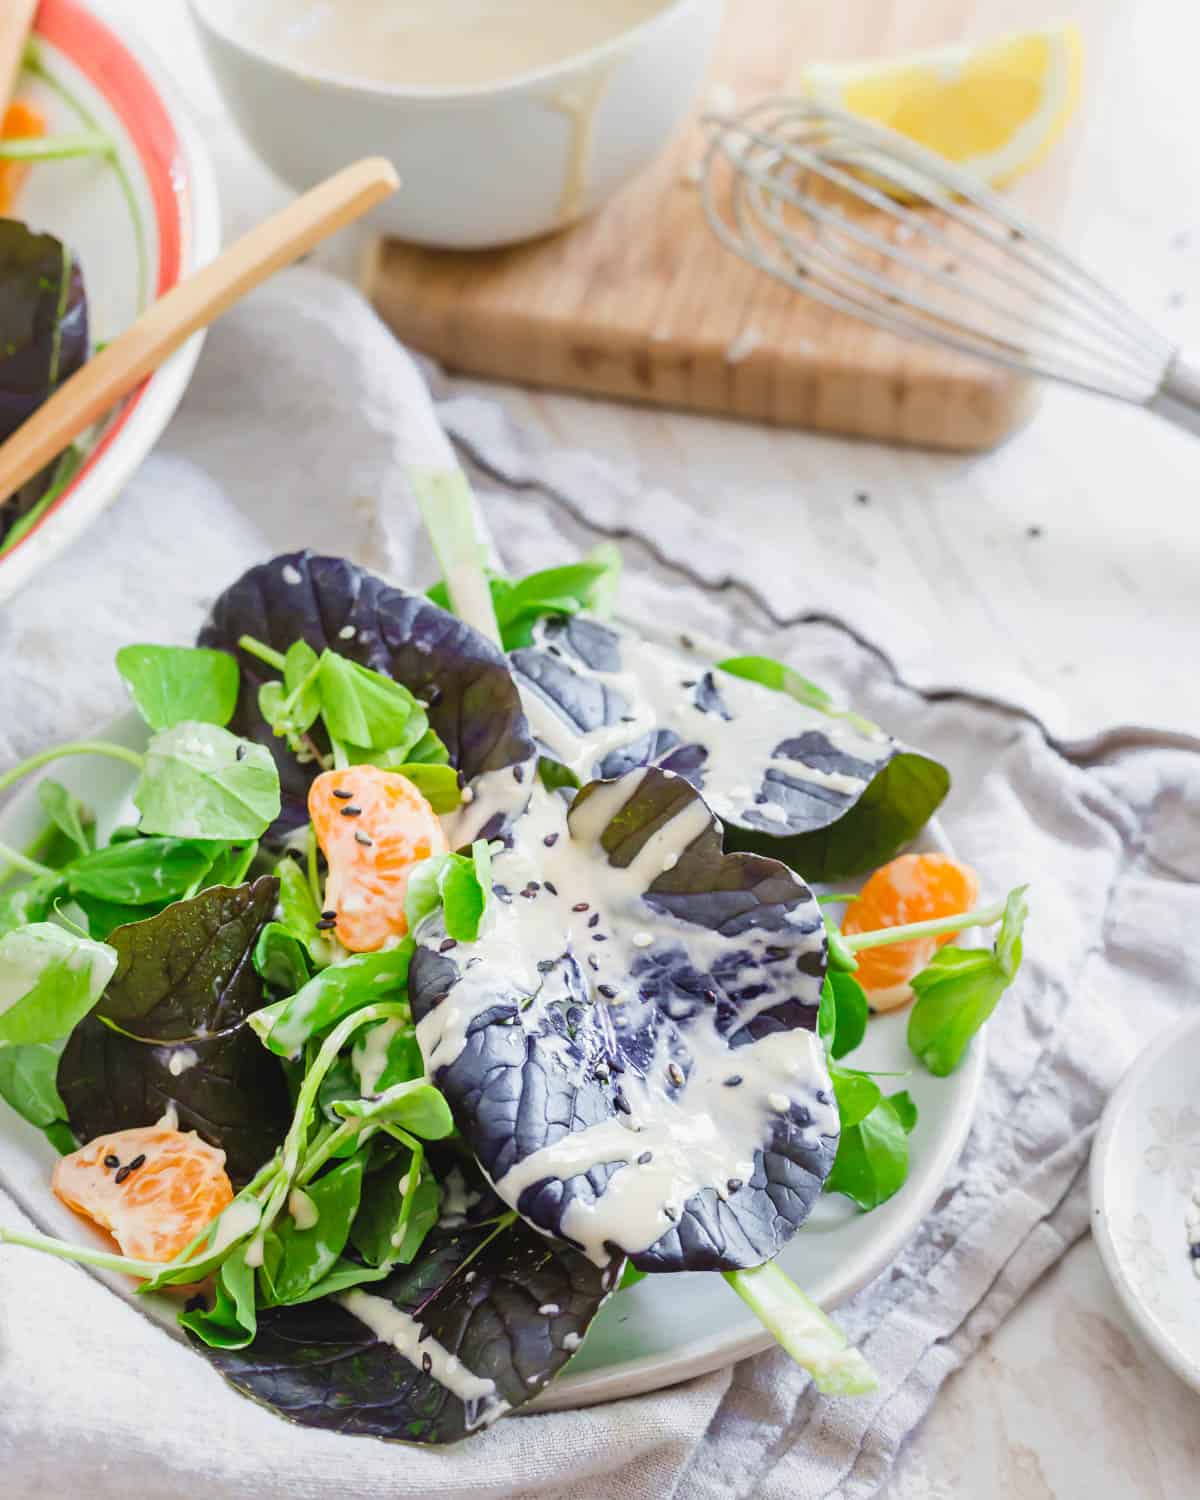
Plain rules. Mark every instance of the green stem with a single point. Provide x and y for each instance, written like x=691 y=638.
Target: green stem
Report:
x=81 y=1253
x=56 y=147
x=982 y=916
x=327 y=1144
x=272 y=658
x=814 y=1341
x=75 y=747
x=448 y=510
x=20 y=861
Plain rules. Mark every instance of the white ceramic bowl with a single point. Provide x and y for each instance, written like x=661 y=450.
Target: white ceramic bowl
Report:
x=480 y=166
x=139 y=224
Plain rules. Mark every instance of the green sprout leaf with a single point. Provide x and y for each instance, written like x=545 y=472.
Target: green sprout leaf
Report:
x=201 y=782
x=49 y=980
x=960 y=988
x=176 y=684
x=871 y=1165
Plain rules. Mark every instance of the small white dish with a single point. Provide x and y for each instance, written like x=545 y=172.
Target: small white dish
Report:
x=1145 y=1168
x=138 y=225
x=480 y=166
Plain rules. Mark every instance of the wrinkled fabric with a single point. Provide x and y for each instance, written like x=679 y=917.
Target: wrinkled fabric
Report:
x=97 y=1399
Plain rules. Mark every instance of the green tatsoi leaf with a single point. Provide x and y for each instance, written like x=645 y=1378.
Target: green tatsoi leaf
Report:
x=282 y=959
x=201 y=782
x=298 y=910
x=232 y=1321
x=458 y=882
x=872 y=1157
x=69 y=816
x=399 y=1207
x=842 y=1022
x=140 y=871
x=857 y=1095
x=306 y=1255
x=416 y=1106
x=49 y=980
x=960 y=988
x=335 y=992
x=590 y=584
x=27 y=1082
x=367 y=709
x=32 y=902
x=174 y=684
x=291 y=707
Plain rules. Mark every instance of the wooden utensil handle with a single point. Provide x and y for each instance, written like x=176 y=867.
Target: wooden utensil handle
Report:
x=188 y=307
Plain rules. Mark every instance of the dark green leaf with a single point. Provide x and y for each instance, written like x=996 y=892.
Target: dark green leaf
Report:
x=231 y=864
x=201 y=782
x=857 y=1095
x=140 y=871
x=395 y=1214
x=476 y=1290
x=960 y=988
x=171 y=684
x=184 y=986
x=308 y=1255
x=104 y=917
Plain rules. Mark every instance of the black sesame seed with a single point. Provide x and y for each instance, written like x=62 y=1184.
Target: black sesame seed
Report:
x=122 y=1175
x=594 y=962
x=550 y=840
x=138 y=1161
x=330 y=913
x=733 y=1184
x=240 y=753
x=628 y=719
x=325 y=924
x=594 y=919
x=196 y=1304
x=446 y=944
x=862 y=497
x=112 y=1161
x=670 y=1212
x=351 y=812
x=518 y=773
x=1194 y=1250
x=733 y=1080
x=580 y=905
x=645 y=1159
x=551 y=887
x=622 y=1103
x=342 y=794
x=1034 y=531
x=688 y=682
x=427 y=1363
x=687 y=643
x=361 y=838
x=599 y=937
x=675 y=1074
x=545 y=965
x=607 y=991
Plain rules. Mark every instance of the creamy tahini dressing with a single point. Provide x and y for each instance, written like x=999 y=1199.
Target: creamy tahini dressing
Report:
x=668 y=1150
x=421 y=1349
x=434 y=43
x=658 y=687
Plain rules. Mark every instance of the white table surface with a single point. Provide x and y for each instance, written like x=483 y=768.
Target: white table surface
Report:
x=1096 y=620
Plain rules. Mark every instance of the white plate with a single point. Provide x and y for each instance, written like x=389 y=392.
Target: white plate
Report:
x=1145 y=1166
x=667 y=1328
x=138 y=225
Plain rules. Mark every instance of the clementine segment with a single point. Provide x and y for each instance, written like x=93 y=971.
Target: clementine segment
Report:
x=21 y=122
x=373 y=826
x=912 y=888
x=152 y=1188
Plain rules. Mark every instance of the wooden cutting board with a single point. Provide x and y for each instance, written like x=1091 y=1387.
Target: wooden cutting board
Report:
x=641 y=301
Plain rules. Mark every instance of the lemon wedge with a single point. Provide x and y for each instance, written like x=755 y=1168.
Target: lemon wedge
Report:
x=995 y=110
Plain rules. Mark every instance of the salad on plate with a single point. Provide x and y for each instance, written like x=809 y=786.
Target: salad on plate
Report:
x=460 y=958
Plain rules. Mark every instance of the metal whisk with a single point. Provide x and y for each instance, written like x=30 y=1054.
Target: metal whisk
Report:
x=873 y=225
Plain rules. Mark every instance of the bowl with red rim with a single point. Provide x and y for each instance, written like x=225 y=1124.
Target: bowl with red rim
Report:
x=138 y=219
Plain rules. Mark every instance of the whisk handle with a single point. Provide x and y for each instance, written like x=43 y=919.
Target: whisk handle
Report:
x=1178 y=394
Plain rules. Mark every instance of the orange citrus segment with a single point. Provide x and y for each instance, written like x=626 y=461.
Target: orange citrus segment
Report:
x=373 y=826
x=152 y=1188
x=912 y=888
x=20 y=122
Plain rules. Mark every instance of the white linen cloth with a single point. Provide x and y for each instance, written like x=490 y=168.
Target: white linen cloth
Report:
x=291 y=434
